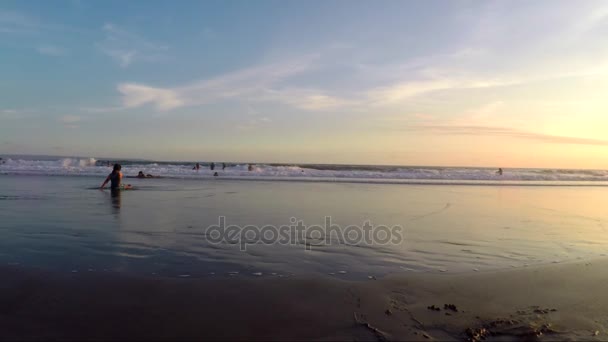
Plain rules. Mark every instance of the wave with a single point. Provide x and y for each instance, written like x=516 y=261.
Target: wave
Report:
x=94 y=167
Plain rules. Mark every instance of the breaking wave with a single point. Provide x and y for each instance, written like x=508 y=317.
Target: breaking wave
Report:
x=94 y=167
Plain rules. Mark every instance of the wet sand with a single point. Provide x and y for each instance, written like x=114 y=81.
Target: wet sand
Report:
x=552 y=302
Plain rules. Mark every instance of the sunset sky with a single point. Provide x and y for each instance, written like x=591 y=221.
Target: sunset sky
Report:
x=463 y=83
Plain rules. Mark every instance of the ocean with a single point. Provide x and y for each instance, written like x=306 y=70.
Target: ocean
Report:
x=59 y=166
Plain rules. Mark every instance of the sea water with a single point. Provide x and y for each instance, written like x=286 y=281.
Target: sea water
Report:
x=303 y=172
x=64 y=224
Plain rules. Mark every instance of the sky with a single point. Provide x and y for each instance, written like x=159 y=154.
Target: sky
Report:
x=433 y=82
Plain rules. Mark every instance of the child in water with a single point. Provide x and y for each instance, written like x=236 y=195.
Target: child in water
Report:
x=115 y=179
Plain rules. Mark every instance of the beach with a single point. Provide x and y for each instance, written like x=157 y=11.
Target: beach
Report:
x=304 y=170
x=555 y=302
x=469 y=262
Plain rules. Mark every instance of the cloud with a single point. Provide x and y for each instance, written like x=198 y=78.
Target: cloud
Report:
x=70 y=119
x=252 y=84
x=15 y=22
x=10 y=113
x=50 y=50
x=503 y=132
x=405 y=90
x=108 y=109
x=307 y=99
x=125 y=47
x=252 y=124
x=478 y=62
x=136 y=95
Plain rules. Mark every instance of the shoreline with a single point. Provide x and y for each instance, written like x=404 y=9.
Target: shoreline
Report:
x=552 y=302
x=344 y=180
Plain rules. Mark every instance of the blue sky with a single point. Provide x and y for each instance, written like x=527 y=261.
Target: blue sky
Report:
x=394 y=82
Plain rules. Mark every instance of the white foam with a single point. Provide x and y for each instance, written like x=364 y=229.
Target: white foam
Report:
x=91 y=167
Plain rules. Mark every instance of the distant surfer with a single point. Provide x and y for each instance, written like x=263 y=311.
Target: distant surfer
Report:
x=115 y=179
x=499 y=172
x=196 y=167
x=215 y=174
x=223 y=165
x=141 y=175
x=212 y=166
x=250 y=167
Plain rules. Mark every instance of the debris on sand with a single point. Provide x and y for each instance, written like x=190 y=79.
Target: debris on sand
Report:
x=388 y=312
x=433 y=308
x=450 y=307
x=509 y=328
x=381 y=336
x=476 y=334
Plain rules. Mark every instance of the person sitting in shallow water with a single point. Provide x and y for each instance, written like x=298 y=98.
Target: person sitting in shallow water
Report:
x=115 y=179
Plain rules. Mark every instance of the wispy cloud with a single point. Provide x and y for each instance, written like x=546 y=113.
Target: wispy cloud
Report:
x=248 y=84
x=108 y=109
x=126 y=47
x=15 y=22
x=306 y=99
x=51 y=50
x=253 y=123
x=502 y=132
x=11 y=114
x=477 y=63
x=70 y=119
x=136 y=95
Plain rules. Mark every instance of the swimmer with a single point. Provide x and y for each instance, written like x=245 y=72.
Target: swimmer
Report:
x=142 y=175
x=499 y=172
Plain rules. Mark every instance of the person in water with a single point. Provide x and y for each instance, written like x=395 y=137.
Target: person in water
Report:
x=499 y=172
x=115 y=179
x=196 y=167
x=212 y=166
x=223 y=166
x=142 y=175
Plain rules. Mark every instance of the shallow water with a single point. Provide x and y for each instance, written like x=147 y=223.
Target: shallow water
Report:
x=63 y=224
